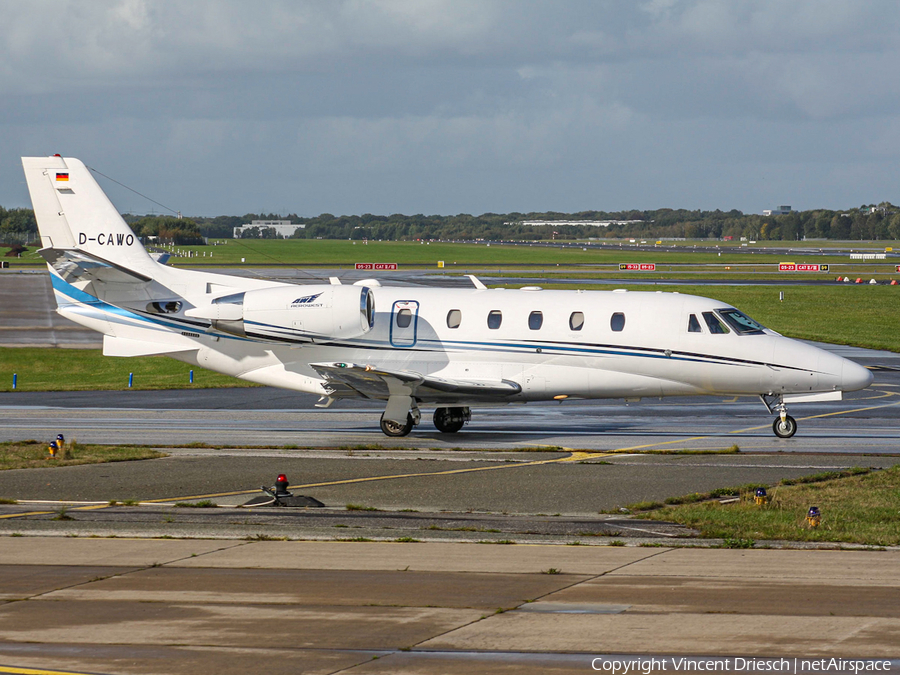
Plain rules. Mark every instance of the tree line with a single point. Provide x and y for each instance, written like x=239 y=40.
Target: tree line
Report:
x=867 y=222
x=17 y=226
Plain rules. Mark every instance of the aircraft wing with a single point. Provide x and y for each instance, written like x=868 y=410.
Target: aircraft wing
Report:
x=381 y=383
x=74 y=265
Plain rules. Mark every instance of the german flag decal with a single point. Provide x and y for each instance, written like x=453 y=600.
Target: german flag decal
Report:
x=62 y=177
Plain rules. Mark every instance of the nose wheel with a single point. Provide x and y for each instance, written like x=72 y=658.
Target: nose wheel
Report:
x=784 y=427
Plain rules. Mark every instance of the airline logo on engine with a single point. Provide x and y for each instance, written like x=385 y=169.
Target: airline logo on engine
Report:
x=307 y=301
x=104 y=239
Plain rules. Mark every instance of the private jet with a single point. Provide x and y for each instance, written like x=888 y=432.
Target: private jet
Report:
x=451 y=349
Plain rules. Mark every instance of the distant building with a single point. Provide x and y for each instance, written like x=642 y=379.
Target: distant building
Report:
x=283 y=228
x=780 y=211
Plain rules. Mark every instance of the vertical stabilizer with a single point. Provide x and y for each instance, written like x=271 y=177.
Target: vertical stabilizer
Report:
x=73 y=212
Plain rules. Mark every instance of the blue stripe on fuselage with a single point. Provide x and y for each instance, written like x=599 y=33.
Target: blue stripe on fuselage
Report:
x=80 y=296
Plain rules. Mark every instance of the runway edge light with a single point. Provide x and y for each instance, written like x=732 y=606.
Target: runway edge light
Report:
x=813 y=516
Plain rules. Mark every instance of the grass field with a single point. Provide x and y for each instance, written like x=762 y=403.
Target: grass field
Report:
x=33 y=454
x=860 y=509
x=427 y=254
x=300 y=252
x=40 y=369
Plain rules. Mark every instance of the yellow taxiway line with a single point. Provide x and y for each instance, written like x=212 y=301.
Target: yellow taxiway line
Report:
x=22 y=515
x=573 y=456
x=762 y=426
x=13 y=670
x=424 y=474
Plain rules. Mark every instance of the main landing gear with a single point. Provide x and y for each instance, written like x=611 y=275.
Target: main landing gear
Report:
x=396 y=430
x=446 y=420
x=451 y=420
x=784 y=425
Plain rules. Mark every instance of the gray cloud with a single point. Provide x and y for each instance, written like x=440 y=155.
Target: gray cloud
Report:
x=449 y=106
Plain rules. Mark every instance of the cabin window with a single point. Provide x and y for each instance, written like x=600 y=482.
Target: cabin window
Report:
x=617 y=321
x=694 y=325
x=454 y=318
x=576 y=320
x=535 y=320
x=404 y=318
x=495 y=318
x=741 y=323
x=712 y=322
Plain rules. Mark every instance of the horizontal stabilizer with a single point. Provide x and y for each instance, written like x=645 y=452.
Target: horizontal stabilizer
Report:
x=116 y=346
x=75 y=265
x=381 y=383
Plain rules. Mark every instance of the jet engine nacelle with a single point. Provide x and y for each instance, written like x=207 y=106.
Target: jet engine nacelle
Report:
x=317 y=312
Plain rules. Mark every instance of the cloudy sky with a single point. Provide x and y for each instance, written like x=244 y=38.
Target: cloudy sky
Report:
x=457 y=106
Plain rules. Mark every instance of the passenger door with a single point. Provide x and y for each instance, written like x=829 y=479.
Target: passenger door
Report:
x=404 y=322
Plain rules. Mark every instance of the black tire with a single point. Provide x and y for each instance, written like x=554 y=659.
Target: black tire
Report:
x=397 y=430
x=450 y=420
x=784 y=429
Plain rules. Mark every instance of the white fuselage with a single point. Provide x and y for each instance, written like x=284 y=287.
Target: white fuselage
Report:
x=652 y=354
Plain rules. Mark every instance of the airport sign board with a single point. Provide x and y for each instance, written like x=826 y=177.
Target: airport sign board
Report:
x=802 y=267
x=376 y=266
x=638 y=267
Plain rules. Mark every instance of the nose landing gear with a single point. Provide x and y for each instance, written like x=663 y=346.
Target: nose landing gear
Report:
x=784 y=425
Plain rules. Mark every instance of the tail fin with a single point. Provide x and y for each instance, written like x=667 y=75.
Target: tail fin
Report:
x=73 y=213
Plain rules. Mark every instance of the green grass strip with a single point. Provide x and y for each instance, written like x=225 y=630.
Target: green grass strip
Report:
x=860 y=508
x=33 y=454
x=43 y=369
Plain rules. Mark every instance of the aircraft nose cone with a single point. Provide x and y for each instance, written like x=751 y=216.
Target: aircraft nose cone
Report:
x=854 y=376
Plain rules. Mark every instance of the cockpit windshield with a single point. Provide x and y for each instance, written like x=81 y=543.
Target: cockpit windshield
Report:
x=740 y=323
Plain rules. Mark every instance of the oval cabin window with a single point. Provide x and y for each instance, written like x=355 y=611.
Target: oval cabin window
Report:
x=495 y=318
x=535 y=320
x=454 y=318
x=617 y=321
x=576 y=320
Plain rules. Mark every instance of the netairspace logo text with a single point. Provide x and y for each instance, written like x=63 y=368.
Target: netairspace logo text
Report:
x=737 y=664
